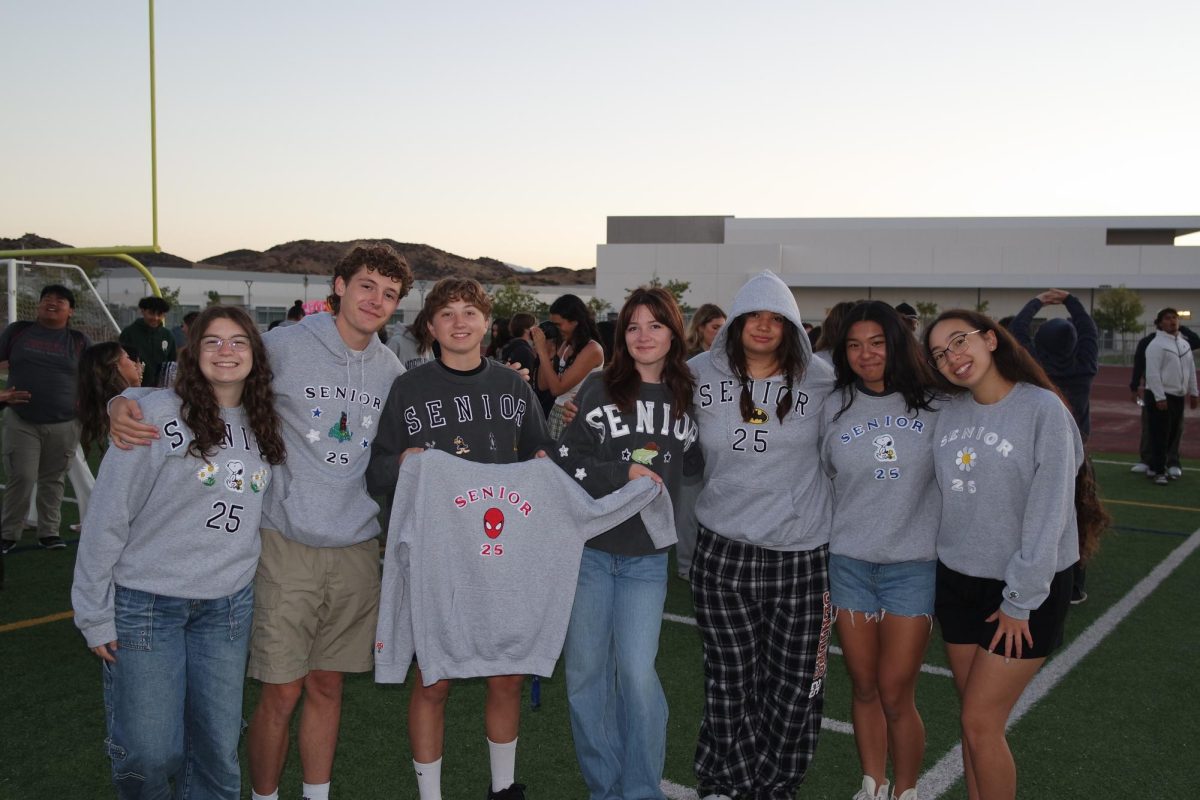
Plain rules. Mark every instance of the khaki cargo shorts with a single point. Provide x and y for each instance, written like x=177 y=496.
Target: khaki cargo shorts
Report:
x=315 y=608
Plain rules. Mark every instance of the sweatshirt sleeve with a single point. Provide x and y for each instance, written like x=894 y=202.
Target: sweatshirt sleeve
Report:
x=534 y=433
x=580 y=450
x=1019 y=327
x=1048 y=510
x=1154 y=377
x=122 y=488
x=391 y=439
x=1087 y=343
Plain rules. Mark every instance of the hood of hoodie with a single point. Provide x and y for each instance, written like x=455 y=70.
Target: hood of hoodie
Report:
x=766 y=291
x=1055 y=344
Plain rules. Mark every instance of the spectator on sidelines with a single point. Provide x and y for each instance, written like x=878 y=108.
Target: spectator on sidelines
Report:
x=1068 y=351
x=1170 y=376
x=910 y=316
x=40 y=428
x=1135 y=388
x=294 y=314
x=154 y=343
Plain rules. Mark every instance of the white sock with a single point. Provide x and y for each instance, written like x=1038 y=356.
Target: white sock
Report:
x=272 y=796
x=314 y=791
x=429 y=779
x=504 y=764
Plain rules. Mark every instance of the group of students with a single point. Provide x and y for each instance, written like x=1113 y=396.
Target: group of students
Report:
x=871 y=495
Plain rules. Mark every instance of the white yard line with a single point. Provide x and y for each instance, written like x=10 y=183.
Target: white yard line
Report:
x=946 y=772
x=837 y=651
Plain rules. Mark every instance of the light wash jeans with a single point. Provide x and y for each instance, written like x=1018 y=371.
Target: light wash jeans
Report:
x=618 y=709
x=174 y=696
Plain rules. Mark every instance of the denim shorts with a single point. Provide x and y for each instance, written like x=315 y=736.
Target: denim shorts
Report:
x=905 y=589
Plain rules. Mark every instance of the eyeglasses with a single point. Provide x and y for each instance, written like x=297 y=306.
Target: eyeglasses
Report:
x=956 y=345
x=212 y=344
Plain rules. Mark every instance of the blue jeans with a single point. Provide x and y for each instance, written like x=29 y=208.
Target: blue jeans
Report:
x=174 y=696
x=618 y=709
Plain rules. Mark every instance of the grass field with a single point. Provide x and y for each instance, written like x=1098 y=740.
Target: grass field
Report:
x=1113 y=714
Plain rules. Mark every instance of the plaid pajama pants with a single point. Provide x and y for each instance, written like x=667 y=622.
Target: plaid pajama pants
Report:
x=765 y=619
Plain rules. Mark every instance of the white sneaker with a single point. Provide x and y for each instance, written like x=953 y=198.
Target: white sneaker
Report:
x=907 y=794
x=1175 y=472
x=1161 y=480
x=1139 y=468
x=870 y=791
x=716 y=797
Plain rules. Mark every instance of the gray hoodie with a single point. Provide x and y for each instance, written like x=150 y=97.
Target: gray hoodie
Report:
x=164 y=522
x=329 y=398
x=763 y=483
x=482 y=561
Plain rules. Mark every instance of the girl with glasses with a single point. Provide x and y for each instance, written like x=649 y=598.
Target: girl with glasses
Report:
x=1018 y=509
x=163 y=589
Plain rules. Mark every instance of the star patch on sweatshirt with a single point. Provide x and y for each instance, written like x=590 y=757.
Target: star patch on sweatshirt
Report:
x=312 y=436
x=580 y=474
x=316 y=412
x=562 y=451
x=368 y=421
x=625 y=454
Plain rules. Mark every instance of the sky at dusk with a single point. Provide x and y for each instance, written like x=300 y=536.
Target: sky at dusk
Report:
x=512 y=130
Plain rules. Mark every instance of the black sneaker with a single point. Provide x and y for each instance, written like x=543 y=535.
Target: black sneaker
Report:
x=52 y=543
x=6 y=545
x=514 y=792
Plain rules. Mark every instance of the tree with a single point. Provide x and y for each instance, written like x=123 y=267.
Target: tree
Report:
x=170 y=295
x=1119 y=310
x=599 y=307
x=214 y=297
x=927 y=312
x=512 y=298
x=676 y=287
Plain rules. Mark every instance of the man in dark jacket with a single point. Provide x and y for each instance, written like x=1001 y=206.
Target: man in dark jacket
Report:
x=153 y=341
x=1069 y=351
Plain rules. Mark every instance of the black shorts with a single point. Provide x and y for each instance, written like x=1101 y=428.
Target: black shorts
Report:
x=964 y=602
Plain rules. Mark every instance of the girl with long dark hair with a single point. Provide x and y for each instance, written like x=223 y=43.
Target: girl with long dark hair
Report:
x=1019 y=508
x=163 y=589
x=633 y=420
x=759 y=577
x=579 y=353
x=878 y=449
x=105 y=370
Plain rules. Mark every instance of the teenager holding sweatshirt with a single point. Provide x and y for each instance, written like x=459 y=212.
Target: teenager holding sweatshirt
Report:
x=633 y=420
x=163 y=589
x=1018 y=509
x=878 y=448
x=759 y=578
x=473 y=408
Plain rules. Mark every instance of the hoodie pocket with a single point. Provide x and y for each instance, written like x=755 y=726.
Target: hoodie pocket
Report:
x=329 y=513
x=487 y=623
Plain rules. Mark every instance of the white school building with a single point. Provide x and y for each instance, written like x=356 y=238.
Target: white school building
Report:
x=953 y=262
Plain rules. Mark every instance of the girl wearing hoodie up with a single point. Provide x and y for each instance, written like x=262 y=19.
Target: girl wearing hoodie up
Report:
x=759 y=577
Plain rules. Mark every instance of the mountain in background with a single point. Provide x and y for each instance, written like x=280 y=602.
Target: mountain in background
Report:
x=309 y=256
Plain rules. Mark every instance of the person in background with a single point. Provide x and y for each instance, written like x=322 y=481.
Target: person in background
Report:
x=40 y=426
x=1170 y=377
x=759 y=577
x=163 y=590
x=167 y=373
x=105 y=370
x=500 y=336
x=413 y=344
x=910 y=316
x=705 y=323
x=154 y=343
x=580 y=352
x=1145 y=450
x=878 y=449
x=831 y=331
x=294 y=314
x=1018 y=510
x=1069 y=352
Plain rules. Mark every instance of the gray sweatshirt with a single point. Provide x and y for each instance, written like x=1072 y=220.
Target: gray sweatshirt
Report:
x=763 y=482
x=1007 y=474
x=886 y=503
x=330 y=399
x=482 y=560
x=165 y=522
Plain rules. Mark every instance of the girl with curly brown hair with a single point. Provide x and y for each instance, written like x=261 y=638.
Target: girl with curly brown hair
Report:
x=163 y=589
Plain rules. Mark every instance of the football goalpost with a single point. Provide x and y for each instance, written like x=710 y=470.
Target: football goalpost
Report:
x=17 y=261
